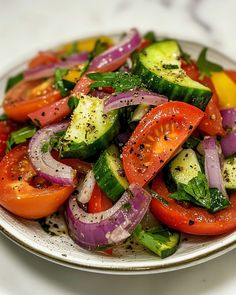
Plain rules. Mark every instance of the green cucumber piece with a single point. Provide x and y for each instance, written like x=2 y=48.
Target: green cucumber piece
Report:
x=108 y=173
x=159 y=67
x=185 y=166
x=90 y=130
x=140 y=111
x=160 y=240
x=229 y=173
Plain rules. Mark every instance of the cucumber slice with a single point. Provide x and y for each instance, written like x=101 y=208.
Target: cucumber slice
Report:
x=139 y=112
x=185 y=166
x=160 y=240
x=108 y=173
x=159 y=67
x=90 y=130
x=229 y=173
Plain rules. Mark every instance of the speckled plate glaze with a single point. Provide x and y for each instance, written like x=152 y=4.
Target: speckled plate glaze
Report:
x=127 y=260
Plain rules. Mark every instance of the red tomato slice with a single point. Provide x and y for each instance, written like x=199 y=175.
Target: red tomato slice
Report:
x=6 y=127
x=23 y=192
x=193 y=220
x=43 y=58
x=98 y=202
x=231 y=74
x=157 y=138
x=28 y=96
x=211 y=124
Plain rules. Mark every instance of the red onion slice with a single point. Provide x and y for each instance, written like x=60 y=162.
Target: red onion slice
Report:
x=48 y=70
x=43 y=162
x=228 y=144
x=113 y=226
x=133 y=97
x=212 y=165
x=228 y=117
x=116 y=53
x=85 y=188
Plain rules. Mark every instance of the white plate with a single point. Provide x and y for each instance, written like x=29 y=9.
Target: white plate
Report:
x=62 y=250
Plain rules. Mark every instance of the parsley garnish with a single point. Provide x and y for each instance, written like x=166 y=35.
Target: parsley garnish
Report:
x=127 y=206
x=150 y=36
x=205 y=66
x=3 y=117
x=119 y=81
x=45 y=147
x=58 y=79
x=73 y=102
x=198 y=192
x=20 y=136
x=12 y=81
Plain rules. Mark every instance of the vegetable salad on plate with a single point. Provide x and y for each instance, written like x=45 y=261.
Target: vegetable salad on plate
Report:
x=112 y=131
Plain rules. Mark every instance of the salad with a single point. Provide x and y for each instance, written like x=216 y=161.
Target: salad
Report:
x=129 y=137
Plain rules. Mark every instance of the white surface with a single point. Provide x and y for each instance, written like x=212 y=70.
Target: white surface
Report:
x=25 y=27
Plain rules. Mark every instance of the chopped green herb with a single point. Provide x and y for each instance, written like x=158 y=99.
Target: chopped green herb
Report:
x=198 y=190
x=191 y=143
x=45 y=147
x=117 y=80
x=20 y=136
x=3 y=117
x=99 y=48
x=185 y=56
x=218 y=200
x=150 y=36
x=73 y=102
x=198 y=193
x=205 y=66
x=12 y=81
x=58 y=79
x=127 y=206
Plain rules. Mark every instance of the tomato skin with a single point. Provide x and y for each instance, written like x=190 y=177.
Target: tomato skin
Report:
x=157 y=138
x=28 y=96
x=43 y=58
x=231 y=74
x=6 y=127
x=211 y=124
x=193 y=220
x=98 y=202
x=19 y=196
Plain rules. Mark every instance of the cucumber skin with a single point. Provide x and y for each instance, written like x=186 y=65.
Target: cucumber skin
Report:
x=85 y=151
x=160 y=249
x=108 y=182
x=196 y=97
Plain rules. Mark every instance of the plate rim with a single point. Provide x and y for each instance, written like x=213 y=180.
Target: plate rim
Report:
x=230 y=245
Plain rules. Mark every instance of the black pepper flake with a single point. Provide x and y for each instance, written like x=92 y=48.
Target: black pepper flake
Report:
x=141 y=146
x=191 y=222
x=19 y=178
x=190 y=127
x=43 y=114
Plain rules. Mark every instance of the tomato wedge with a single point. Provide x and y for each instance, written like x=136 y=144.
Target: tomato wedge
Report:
x=211 y=124
x=157 y=138
x=6 y=127
x=193 y=220
x=28 y=96
x=98 y=202
x=23 y=192
x=43 y=58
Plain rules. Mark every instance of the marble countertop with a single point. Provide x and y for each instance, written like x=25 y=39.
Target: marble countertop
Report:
x=28 y=26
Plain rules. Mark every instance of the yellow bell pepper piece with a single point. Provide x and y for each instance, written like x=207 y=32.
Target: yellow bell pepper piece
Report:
x=74 y=74
x=225 y=89
x=86 y=44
